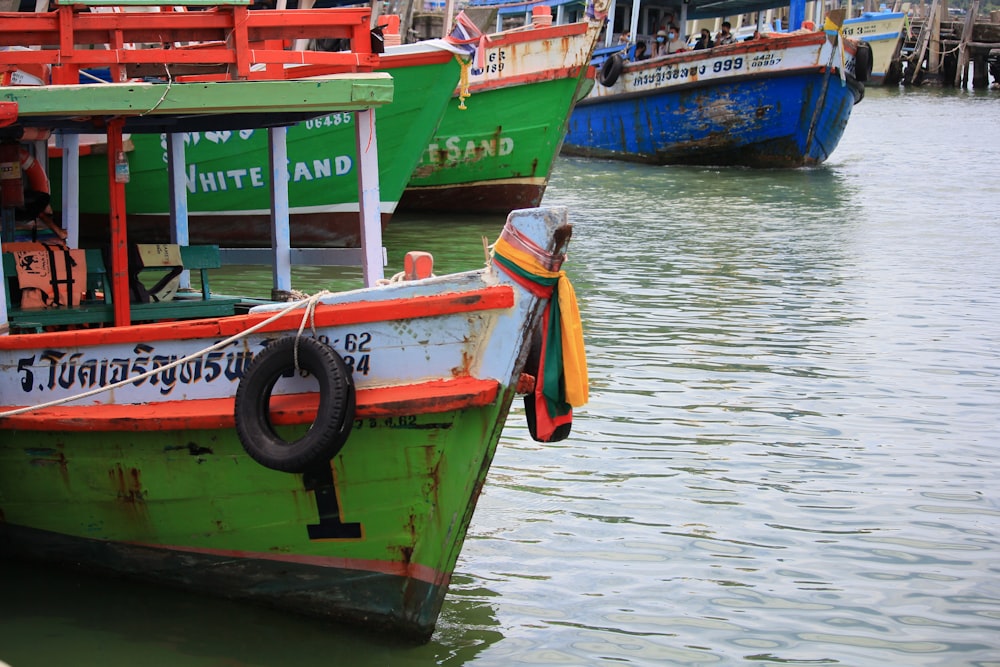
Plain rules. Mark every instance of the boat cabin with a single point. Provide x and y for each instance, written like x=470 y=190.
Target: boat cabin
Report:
x=242 y=84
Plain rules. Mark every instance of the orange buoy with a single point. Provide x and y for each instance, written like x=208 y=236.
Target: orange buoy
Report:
x=38 y=180
x=35 y=134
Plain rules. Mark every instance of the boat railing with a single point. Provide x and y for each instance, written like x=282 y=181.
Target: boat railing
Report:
x=228 y=37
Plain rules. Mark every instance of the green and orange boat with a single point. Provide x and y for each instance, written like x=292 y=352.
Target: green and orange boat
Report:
x=497 y=142
x=322 y=455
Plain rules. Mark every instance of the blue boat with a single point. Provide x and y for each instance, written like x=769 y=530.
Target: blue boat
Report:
x=774 y=99
x=774 y=102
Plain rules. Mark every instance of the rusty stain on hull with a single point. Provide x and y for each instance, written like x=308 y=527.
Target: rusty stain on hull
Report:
x=50 y=457
x=127 y=485
x=450 y=155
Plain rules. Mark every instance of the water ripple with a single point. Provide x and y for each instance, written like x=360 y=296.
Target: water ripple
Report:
x=788 y=454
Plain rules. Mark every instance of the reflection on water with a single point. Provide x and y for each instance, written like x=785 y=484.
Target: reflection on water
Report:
x=788 y=457
x=52 y=618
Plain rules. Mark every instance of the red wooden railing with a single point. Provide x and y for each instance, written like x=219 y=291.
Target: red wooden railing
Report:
x=229 y=39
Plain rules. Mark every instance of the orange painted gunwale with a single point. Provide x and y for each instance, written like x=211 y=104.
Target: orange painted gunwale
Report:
x=554 y=74
x=435 y=396
x=498 y=297
x=535 y=34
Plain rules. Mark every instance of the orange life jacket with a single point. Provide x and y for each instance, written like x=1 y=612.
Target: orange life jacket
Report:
x=51 y=278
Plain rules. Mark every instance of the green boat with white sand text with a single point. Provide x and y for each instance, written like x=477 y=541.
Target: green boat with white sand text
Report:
x=228 y=177
x=499 y=137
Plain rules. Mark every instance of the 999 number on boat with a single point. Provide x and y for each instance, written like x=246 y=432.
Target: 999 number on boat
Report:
x=664 y=75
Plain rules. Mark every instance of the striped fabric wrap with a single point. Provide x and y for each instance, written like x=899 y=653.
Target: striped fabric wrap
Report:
x=562 y=381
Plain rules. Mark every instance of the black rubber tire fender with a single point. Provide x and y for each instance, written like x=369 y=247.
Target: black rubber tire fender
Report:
x=531 y=368
x=611 y=69
x=334 y=417
x=863 y=62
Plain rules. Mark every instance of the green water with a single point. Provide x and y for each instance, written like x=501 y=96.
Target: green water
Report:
x=789 y=456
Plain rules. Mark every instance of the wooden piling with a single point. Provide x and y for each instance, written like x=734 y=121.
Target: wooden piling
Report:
x=959 y=43
x=914 y=69
x=962 y=71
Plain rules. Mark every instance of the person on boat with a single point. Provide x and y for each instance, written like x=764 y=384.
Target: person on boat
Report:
x=675 y=43
x=755 y=35
x=625 y=38
x=661 y=43
x=669 y=41
x=640 y=51
x=725 y=36
x=705 y=41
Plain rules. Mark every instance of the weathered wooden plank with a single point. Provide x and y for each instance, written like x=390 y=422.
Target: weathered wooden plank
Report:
x=335 y=93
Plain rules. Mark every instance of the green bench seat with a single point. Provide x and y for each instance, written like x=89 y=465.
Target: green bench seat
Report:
x=97 y=307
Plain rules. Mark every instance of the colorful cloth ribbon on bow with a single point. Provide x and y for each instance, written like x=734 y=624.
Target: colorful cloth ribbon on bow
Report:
x=467 y=37
x=562 y=381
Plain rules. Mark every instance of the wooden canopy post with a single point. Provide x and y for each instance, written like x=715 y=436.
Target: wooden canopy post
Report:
x=69 y=142
x=177 y=181
x=611 y=25
x=4 y=325
x=369 y=197
x=119 y=229
x=8 y=115
x=280 y=232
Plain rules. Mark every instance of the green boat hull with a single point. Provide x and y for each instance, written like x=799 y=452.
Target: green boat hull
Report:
x=192 y=453
x=139 y=504
x=497 y=153
x=323 y=455
x=228 y=194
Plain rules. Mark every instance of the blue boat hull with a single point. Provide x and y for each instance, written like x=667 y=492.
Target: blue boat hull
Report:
x=786 y=119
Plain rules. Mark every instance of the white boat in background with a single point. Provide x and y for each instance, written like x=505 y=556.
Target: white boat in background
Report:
x=883 y=31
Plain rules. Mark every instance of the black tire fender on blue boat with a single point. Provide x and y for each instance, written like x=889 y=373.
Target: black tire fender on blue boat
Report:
x=863 y=62
x=611 y=69
x=334 y=417
x=531 y=368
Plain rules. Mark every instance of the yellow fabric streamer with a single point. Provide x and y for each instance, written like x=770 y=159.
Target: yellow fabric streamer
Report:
x=574 y=356
x=463 y=82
